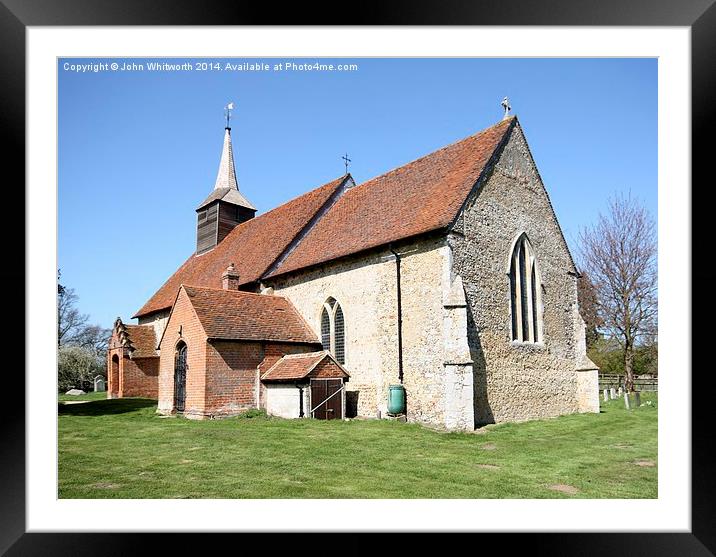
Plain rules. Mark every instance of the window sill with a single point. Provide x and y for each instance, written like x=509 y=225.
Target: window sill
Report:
x=536 y=345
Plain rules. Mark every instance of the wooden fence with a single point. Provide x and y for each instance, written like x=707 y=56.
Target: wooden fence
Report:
x=607 y=381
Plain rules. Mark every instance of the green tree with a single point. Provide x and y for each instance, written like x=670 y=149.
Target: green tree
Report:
x=76 y=364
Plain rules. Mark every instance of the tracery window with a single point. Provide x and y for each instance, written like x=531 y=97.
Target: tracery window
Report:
x=525 y=293
x=333 y=336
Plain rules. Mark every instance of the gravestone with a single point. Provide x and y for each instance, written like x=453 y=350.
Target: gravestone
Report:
x=626 y=400
x=606 y=395
x=619 y=392
x=99 y=384
x=612 y=393
x=637 y=399
x=75 y=392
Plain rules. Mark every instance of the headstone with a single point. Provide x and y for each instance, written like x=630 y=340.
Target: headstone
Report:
x=612 y=393
x=99 y=384
x=619 y=392
x=75 y=392
x=606 y=395
x=626 y=400
x=637 y=399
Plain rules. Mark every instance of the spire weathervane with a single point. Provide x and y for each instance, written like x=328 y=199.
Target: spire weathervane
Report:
x=227 y=113
x=506 y=105
x=346 y=160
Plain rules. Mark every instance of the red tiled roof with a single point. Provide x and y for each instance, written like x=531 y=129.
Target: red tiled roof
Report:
x=297 y=366
x=419 y=197
x=236 y=315
x=252 y=246
x=142 y=341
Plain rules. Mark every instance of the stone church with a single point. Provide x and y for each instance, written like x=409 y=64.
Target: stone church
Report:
x=448 y=276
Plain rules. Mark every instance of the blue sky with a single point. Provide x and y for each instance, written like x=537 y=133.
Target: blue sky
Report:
x=138 y=150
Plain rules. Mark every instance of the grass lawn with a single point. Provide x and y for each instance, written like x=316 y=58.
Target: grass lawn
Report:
x=102 y=395
x=122 y=449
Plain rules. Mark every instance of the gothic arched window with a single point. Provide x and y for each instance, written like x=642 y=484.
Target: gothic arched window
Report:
x=525 y=293
x=333 y=336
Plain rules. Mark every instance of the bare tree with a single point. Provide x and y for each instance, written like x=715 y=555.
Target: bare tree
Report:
x=72 y=327
x=619 y=255
x=94 y=338
x=80 y=347
x=70 y=322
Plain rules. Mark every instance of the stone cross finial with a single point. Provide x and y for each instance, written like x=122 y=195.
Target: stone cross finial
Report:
x=506 y=105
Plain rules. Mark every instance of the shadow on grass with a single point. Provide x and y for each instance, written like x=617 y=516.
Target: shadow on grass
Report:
x=105 y=407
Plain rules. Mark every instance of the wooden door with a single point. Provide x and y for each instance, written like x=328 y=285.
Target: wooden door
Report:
x=114 y=377
x=180 y=379
x=327 y=399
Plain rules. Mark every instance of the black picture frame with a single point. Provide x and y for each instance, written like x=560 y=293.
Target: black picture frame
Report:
x=17 y=15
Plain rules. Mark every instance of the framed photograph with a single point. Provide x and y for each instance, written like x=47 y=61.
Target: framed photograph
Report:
x=364 y=268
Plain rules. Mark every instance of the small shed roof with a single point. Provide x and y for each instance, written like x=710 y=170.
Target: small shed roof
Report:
x=294 y=367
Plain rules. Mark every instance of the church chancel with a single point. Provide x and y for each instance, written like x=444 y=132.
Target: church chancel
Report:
x=448 y=275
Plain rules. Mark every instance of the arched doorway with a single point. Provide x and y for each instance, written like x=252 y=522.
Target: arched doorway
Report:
x=180 y=377
x=114 y=377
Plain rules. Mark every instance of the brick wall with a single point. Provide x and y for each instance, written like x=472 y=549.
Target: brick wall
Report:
x=192 y=334
x=233 y=371
x=140 y=377
x=222 y=376
x=126 y=377
x=231 y=376
x=114 y=361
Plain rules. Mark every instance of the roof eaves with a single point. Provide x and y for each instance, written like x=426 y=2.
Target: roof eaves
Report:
x=227 y=195
x=328 y=355
x=298 y=356
x=263 y=339
x=489 y=165
x=430 y=232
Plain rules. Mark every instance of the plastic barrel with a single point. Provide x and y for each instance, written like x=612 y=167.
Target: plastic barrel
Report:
x=396 y=399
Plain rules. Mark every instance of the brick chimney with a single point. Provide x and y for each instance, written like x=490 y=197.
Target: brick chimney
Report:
x=230 y=278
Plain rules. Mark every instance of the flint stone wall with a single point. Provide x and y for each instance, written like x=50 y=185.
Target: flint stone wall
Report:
x=516 y=381
x=366 y=289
